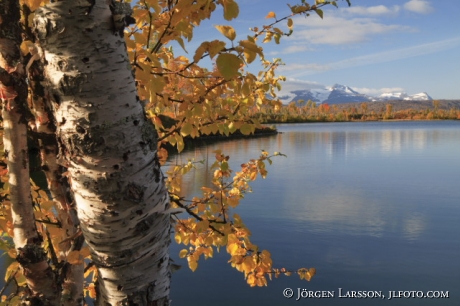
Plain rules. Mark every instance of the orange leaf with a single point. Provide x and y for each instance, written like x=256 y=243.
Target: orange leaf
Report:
x=271 y=15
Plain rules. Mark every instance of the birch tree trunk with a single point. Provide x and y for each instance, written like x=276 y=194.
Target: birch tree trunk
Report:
x=13 y=94
x=109 y=147
x=71 y=276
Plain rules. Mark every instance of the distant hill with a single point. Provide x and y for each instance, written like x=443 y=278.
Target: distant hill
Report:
x=339 y=94
x=378 y=106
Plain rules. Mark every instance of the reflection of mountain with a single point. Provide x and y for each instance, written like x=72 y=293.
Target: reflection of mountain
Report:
x=334 y=178
x=351 y=202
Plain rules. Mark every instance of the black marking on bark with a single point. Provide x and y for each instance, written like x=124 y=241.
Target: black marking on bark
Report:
x=71 y=85
x=31 y=254
x=134 y=193
x=89 y=8
x=126 y=155
x=151 y=292
x=160 y=262
x=80 y=129
x=116 y=167
x=57 y=98
x=143 y=226
x=121 y=16
x=156 y=168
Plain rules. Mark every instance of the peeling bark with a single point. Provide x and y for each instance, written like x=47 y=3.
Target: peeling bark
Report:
x=109 y=148
x=13 y=92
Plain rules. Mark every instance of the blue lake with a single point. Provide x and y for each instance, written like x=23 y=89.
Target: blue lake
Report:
x=373 y=206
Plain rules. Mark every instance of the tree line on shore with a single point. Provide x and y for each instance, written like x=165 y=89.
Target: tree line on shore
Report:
x=309 y=111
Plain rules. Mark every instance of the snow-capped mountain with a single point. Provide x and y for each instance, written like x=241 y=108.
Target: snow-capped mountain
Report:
x=344 y=94
x=340 y=94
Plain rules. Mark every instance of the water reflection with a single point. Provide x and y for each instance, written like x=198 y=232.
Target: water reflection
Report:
x=352 y=200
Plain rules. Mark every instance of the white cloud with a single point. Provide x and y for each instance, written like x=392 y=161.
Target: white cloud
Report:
x=294 y=84
x=372 y=10
x=418 y=6
x=377 y=91
x=293 y=49
x=336 y=30
x=380 y=57
x=305 y=67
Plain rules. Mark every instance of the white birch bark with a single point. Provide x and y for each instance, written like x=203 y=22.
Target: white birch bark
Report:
x=72 y=276
x=13 y=94
x=109 y=148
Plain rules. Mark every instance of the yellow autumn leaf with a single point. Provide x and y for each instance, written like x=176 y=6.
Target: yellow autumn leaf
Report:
x=271 y=15
x=246 y=129
x=227 y=31
x=179 y=142
x=248 y=265
x=183 y=253
x=156 y=85
x=228 y=65
x=231 y=9
x=233 y=248
x=186 y=129
x=199 y=52
x=310 y=273
x=92 y=291
x=215 y=47
x=11 y=270
x=192 y=264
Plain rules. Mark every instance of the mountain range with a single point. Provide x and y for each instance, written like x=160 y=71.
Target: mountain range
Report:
x=338 y=94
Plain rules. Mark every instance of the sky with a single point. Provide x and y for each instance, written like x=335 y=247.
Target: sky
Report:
x=374 y=46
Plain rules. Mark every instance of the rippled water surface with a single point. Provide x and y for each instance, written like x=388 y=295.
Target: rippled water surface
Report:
x=372 y=206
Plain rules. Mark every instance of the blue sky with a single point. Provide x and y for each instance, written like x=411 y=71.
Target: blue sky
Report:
x=374 y=46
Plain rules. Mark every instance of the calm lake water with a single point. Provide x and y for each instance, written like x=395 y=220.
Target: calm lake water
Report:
x=372 y=206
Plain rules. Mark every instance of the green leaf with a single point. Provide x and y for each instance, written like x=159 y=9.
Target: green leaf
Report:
x=319 y=12
x=228 y=65
x=227 y=31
